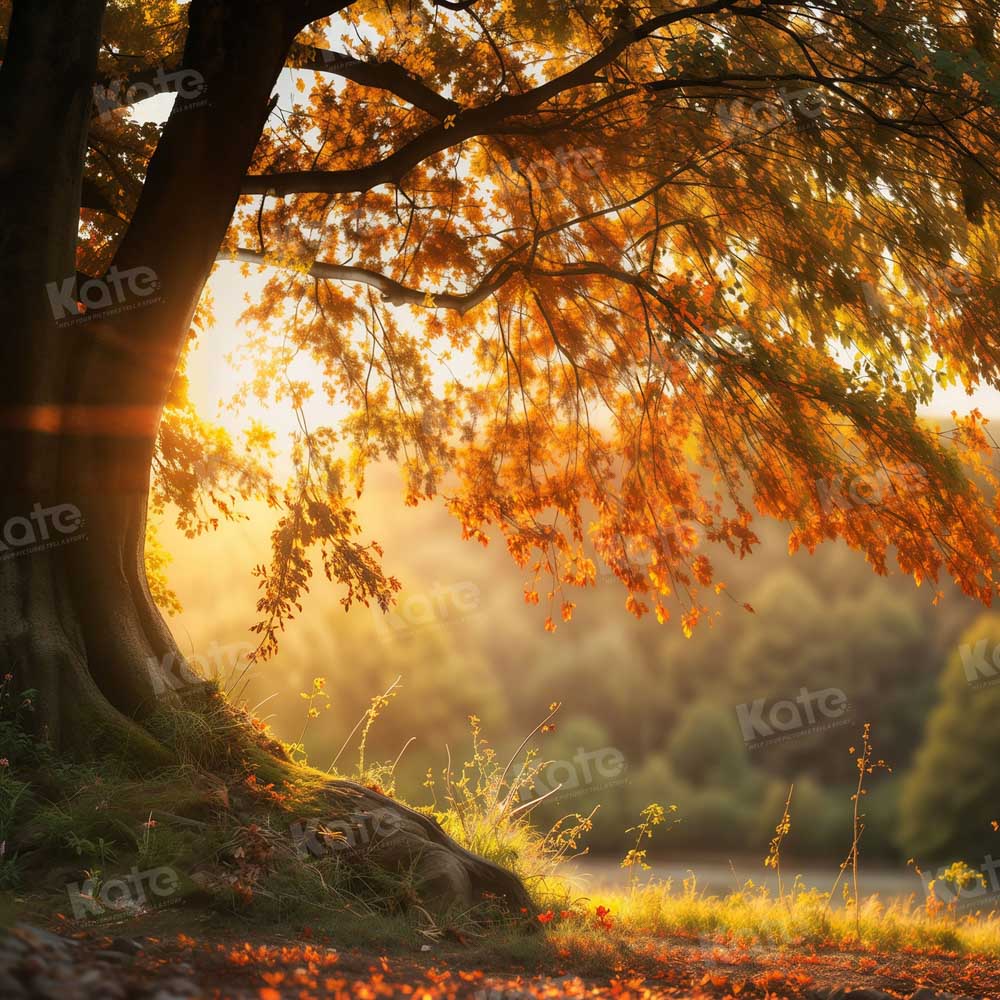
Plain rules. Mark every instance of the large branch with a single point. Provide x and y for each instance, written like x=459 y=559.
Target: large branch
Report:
x=388 y=75
x=315 y=10
x=398 y=294
x=490 y=119
x=393 y=291
x=95 y=199
x=191 y=189
x=128 y=89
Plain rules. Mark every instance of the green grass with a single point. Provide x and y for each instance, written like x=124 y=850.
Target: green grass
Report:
x=755 y=918
x=221 y=819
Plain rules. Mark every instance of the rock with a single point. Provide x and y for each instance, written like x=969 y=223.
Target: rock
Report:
x=175 y=989
x=10 y=988
x=110 y=989
x=34 y=965
x=35 y=937
x=925 y=993
x=12 y=948
x=53 y=987
x=395 y=837
x=126 y=945
x=846 y=993
x=116 y=957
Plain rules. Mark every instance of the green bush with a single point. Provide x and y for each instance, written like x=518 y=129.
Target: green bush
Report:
x=952 y=793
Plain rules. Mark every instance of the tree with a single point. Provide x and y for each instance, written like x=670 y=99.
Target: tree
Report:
x=706 y=748
x=949 y=800
x=590 y=274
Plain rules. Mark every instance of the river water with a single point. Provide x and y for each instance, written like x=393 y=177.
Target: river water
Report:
x=715 y=876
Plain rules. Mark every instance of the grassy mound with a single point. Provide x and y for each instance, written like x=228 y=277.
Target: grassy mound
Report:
x=238 y=828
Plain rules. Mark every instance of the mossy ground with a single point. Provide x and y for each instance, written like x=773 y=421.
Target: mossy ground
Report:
x=223 y=818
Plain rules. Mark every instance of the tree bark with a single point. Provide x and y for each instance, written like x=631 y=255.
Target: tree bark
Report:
x=46 y=635
x=81 y=392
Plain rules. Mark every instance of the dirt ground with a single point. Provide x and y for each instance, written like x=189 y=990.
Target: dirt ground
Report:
x=153 y=960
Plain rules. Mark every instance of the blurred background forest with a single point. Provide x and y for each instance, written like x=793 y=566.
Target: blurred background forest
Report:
x=654 y=713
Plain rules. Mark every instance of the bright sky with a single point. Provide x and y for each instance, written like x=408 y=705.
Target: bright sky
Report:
x=213 y=380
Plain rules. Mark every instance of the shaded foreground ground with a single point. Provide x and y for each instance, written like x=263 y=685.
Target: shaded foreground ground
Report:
x=150 y=959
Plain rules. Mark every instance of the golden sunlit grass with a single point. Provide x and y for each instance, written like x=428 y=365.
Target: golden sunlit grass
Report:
x=481 y=811
x=230 y=841
x=753 y=920
x=486 y=805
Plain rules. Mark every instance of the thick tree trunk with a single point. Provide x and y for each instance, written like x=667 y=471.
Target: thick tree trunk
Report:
x=56 y=624
x=81 y=395
x=77 y=623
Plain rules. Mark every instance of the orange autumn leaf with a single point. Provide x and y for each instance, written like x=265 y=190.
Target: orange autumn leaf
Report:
x=621 y=325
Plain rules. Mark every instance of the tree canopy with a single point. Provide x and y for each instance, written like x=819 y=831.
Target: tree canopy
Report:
x=612 y=280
